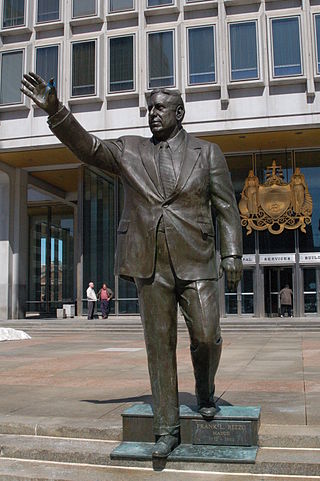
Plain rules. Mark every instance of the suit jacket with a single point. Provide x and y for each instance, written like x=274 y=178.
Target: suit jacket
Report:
x=204 y=181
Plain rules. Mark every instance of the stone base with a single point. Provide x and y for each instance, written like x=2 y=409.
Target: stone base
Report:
x=231 y=437
x=232 y=425
x=187 y=453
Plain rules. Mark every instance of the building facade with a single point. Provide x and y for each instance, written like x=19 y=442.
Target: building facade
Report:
x=249 y=73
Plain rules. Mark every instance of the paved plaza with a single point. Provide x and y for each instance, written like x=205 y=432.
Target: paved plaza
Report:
x=82 y=381
x=97 y=375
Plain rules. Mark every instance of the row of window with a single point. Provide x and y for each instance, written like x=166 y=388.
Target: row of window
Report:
x=201 y=45
x=49 y=10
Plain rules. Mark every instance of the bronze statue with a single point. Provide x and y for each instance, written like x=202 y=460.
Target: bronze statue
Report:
x=166 y=240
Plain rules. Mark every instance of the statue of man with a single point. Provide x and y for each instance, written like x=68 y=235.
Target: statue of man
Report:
x=166 y=240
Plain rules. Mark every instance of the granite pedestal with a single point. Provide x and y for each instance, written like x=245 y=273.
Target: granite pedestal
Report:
x=231 y=437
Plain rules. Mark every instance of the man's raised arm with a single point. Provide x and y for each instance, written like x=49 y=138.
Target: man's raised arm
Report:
x=88 y=148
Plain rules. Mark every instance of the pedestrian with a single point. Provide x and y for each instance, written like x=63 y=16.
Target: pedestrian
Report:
x=92 y=299
x=105 y=295
x=286 y=300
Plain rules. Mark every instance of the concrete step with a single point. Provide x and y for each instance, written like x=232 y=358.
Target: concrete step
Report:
x=30 y=470
x=277 y=461
x=67 y=326
x=289 y=436
x=81 y=428
x=270 y=435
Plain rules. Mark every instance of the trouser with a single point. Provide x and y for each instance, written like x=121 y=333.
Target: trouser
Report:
x=90 y=309
x=198 y=300
x=104 y=308
x=286 y=308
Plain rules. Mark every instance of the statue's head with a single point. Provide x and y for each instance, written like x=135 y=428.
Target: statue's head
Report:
x=166 y=112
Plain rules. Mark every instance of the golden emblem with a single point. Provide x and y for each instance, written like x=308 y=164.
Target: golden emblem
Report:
x=276 y=205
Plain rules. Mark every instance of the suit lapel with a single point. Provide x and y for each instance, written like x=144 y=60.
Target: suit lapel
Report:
x=190 y=157
x=147 y=158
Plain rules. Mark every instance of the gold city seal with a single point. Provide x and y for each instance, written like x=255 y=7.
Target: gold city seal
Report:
x=275 y=205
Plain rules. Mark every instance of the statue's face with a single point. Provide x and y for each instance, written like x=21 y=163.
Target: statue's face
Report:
x=163 y=121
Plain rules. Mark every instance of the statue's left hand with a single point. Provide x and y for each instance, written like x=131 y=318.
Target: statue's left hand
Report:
x=233 y=268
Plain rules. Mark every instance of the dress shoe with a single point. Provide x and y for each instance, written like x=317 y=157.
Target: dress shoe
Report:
x=208 y=412
x=164 y=446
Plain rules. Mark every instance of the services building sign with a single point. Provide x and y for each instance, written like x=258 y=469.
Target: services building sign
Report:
x=310 y=258
x=277 y=259
x=275 y=205
x=249 y=259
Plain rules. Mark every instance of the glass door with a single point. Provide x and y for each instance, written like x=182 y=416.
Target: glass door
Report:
x=241 y=302
x=247 y=292
x=275 y=278
x=310 y=290
x=51 y=263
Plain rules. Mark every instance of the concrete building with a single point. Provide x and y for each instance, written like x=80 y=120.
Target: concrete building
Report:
x=249 y=72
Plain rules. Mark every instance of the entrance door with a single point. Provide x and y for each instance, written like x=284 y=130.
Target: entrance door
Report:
x=51 y=265
x=311 y=290
x=242 y=301
x=275 y=278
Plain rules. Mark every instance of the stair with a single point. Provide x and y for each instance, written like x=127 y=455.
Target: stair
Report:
x=286 y=453
x=53 y=327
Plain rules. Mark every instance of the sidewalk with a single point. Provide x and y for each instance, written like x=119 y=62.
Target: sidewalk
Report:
x=62 y=397
x=92 y=377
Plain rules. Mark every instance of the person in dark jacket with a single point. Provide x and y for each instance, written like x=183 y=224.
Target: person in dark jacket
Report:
x=105 y=295
x=286 y=300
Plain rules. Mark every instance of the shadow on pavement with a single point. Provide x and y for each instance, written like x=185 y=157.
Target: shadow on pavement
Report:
x=184 y=398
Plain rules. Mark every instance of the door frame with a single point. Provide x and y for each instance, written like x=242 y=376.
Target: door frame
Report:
x=239 y=295
x=317 y=269
x=293 y=284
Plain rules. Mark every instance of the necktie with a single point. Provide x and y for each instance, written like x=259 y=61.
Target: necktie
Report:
x=166 y=170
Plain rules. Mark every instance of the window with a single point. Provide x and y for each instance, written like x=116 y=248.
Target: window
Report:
x=84 y=68
x=317 y=27
x=201 y=60
x=161 y=66
x=47 y=62
x=83 y=8
x=11 y=74
x=13 y=13
x=243 y=50
x=121 y=64
x=158 y=3
x=120 y=5
x=48 y=11
x=286 y=47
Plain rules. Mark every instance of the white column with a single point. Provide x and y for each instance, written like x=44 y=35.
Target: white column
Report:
x=5 y=306
x=13 y=242
x=19 y=245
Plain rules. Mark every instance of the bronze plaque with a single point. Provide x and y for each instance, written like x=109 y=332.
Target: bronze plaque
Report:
x=223 y=433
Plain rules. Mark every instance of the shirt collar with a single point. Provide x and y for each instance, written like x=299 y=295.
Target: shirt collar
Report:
x=175 y=142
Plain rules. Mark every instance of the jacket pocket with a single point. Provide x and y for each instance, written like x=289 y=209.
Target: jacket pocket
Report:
x=123 y=226
x=207 y=229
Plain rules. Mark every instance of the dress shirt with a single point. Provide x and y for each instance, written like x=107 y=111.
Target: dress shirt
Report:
x=91 y=295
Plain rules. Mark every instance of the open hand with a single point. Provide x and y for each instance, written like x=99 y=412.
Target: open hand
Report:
x=233 y=268
x=43 y=94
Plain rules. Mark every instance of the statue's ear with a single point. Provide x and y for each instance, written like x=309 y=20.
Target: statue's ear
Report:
x=179 y=113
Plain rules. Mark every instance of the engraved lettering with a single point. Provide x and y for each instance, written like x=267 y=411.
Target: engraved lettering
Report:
x=233 y=433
